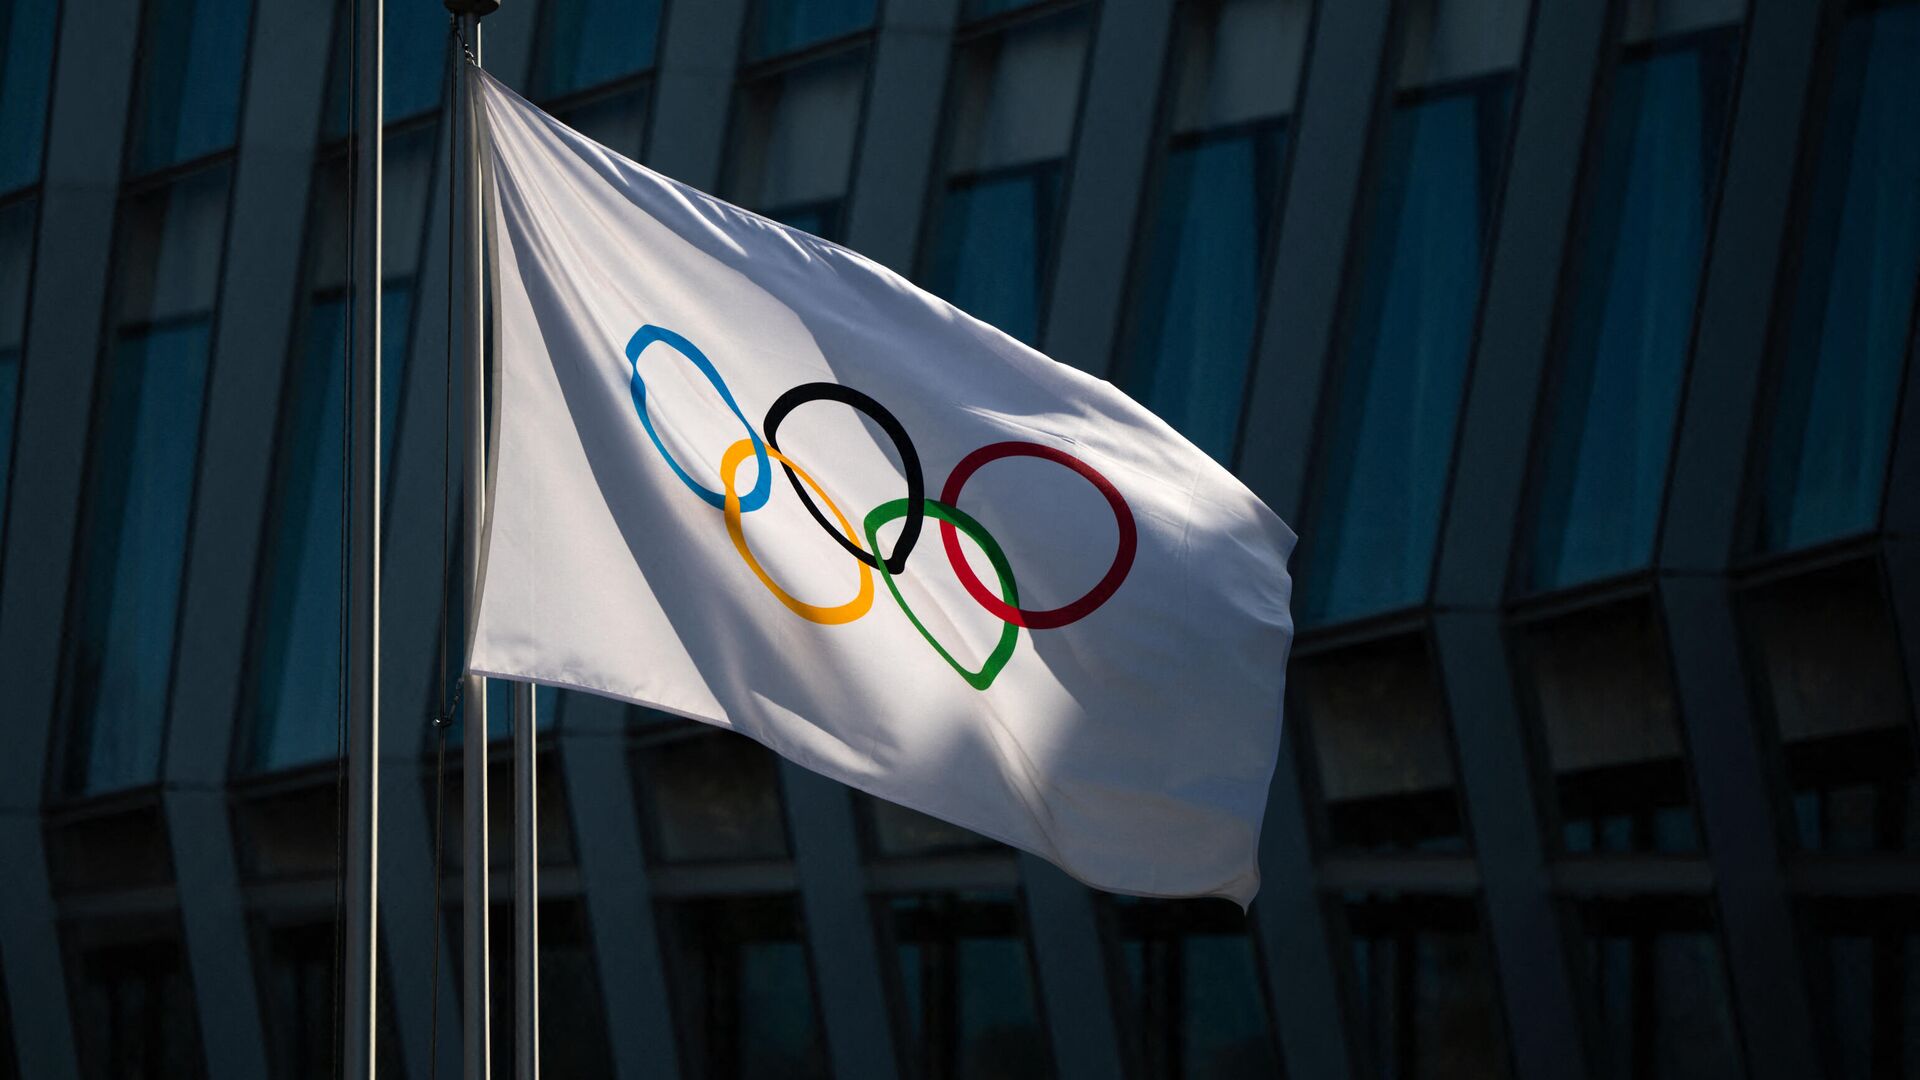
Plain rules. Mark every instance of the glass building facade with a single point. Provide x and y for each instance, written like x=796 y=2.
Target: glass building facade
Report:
x=1577 y=341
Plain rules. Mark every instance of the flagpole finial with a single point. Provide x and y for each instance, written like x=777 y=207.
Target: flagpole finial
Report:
x=476 y=8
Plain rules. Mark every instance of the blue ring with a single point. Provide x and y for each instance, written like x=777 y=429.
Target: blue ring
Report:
x=763 y=484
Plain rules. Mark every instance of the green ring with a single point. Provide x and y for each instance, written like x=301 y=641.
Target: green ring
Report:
x=1009 y=633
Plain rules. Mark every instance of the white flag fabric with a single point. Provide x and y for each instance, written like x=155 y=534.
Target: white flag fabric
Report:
x=749 y=477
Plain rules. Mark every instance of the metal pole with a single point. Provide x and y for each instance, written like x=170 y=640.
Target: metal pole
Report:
x=526 y=891
x=479 y=982
x=362 y=660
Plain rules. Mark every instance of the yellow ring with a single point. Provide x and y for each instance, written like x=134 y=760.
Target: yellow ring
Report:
x=831 y=616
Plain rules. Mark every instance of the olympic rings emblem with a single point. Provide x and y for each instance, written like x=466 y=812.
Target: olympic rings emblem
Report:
x=913 y=510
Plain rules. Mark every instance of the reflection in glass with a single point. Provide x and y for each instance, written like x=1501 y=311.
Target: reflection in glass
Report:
x=966 y=992
x=1658 y=991
x=186 y=99
x=1381 y=745
x=711 y=796
x=1630 y=311
x=780 y=26
x=1428 y=1005
x=26 y=62
x=141 y=470
x=1829 y=661
x=1197 y=1005
x=793 y=139
x=588 y=42
x=1403 y=365
x=743 y=989
x=1853 y=298
x=1014 y=103
x=1604 y=699
x=990 y=255
x=1187 y=348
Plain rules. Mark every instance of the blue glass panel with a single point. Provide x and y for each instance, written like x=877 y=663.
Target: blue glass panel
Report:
x=1201 y=287
x=187 y=100
x=296 y=702
x=1389 y=438
x=1630 y=315
x=820 y=219
x=784 y=25
x=26 y=62
x=967 y=992
x=414 y=65
x=618 y=123
x=140 y=497
x=588 y=42
x=1853 y=302
x=994 y=242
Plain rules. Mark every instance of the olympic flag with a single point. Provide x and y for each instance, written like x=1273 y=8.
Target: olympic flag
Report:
x=752 y=478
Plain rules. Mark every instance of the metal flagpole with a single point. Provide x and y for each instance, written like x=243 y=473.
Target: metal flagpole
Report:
x=362 y=658
x=475 y=906
x=526 y=891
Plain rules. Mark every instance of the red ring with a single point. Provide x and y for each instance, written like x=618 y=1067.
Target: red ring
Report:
x=1053 y=617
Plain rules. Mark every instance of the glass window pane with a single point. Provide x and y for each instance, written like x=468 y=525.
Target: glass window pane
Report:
x=1382 y=747
x=1852 y=304
x=793 y=139
x=1014 y=100
x=1828 y=659
x=1190 y=333
x=967 y=1001
x=784 y=25
x=1603 y=696
x=894 y=831
x=1629 y=317
x=588 y=42
x=1657 y=991
x=1418 y=261
x=711 y=796
x=134 y=1012
x=16 y=261
x=617 y=122
x=1865 y=956
x=743 y=989
x=414 y=64
x=140 y=481
x=26 y=64
x=1196 y=1004
x=1428 y=1006
x=186 y=100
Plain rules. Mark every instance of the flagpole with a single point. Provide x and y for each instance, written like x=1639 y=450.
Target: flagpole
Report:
x=526 y=890
x=362 y=659
x=475 y=904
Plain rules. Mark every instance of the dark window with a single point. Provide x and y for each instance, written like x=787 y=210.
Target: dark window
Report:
x=1657 y=992
x=780 y=26
x=186 y=99
x=966 y=996
x=1628 y=317
x=300 y=1004
x=16 y=268
x=711 y=796
x=617 y=121
x=1866 y=978
x=1604 y=699
x=135 y=1014
x=995 y=241
x=894 y=831
x=1828 y=663
x=26 y=63
x=743 y=989
x=1196 y=1002
x=1426 y=1004
x=1851 y=308
x=1382 y=748
x=584 y=43
x=413 y=63
x=573 y=1023
x=140 y=480
x=1416 y=268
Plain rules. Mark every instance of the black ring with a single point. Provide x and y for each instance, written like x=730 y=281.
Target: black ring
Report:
x=909 y=461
